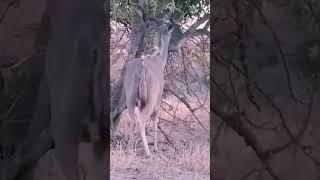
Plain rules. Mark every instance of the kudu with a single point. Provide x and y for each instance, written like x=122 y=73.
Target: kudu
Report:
x=72 y=93
x=144 y=81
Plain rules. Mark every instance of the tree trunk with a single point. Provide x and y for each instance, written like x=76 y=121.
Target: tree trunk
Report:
x=21 y=81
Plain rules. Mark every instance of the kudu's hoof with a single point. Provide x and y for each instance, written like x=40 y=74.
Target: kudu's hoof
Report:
x=155 y=150
x=148 y=156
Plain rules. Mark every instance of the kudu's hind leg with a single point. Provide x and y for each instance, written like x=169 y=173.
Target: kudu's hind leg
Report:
x=144 y=116
x=155 y=119
x=132 y=125
x=131 y=95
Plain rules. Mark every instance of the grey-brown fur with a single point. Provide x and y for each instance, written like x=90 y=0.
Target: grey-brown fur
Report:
x=144 y=81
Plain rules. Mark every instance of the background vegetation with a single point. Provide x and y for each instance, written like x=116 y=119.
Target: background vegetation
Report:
x=265 y=79
x=184 y=120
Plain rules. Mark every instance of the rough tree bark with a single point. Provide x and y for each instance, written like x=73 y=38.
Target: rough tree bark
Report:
x=33 y=67
x=22 y=78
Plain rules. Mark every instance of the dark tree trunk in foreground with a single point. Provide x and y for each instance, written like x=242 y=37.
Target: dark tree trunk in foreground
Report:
x=20 y=84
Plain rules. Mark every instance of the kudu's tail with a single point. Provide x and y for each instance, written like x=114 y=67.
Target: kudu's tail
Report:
x=143 y=90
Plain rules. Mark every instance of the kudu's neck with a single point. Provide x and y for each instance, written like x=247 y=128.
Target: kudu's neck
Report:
x=163 y=55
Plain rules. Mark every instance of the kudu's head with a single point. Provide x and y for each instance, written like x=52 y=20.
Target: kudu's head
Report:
x=163 y=30
x=165 y=34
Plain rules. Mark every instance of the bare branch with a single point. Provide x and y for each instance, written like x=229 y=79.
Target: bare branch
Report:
x=235 y=123
x=198 y=32
x=189 y=107
x=200 y=21
x=6 y=9
x=281 y=52
x=292 y=137
x=142 y=12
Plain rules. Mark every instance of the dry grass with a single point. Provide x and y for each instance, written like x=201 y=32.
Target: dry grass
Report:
x=186 y=157
x=192 y=162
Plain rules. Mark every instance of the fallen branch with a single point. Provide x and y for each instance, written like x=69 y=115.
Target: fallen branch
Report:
x=165 y=135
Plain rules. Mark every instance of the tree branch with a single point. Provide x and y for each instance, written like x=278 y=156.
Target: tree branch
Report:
x=188 y=106
x=281 y=52
x=143 y=12
x=198 y=32
x=6 y=9
x=292 y=138
x=235 y=123
x=200 y=21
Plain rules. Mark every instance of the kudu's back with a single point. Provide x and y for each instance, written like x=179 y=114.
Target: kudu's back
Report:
x=144 y=78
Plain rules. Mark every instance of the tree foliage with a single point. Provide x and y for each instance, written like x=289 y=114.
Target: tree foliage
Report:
x=181 y=10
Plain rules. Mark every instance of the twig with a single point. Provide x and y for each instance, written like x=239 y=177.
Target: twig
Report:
x=190 y=109
x=9 y=5
x=165 y=135
x=293 y=139
x=234 y=122
x=281 y=52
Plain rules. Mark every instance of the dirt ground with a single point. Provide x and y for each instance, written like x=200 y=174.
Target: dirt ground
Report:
x=186 y=156
x=47 y=169
x=148 y=177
